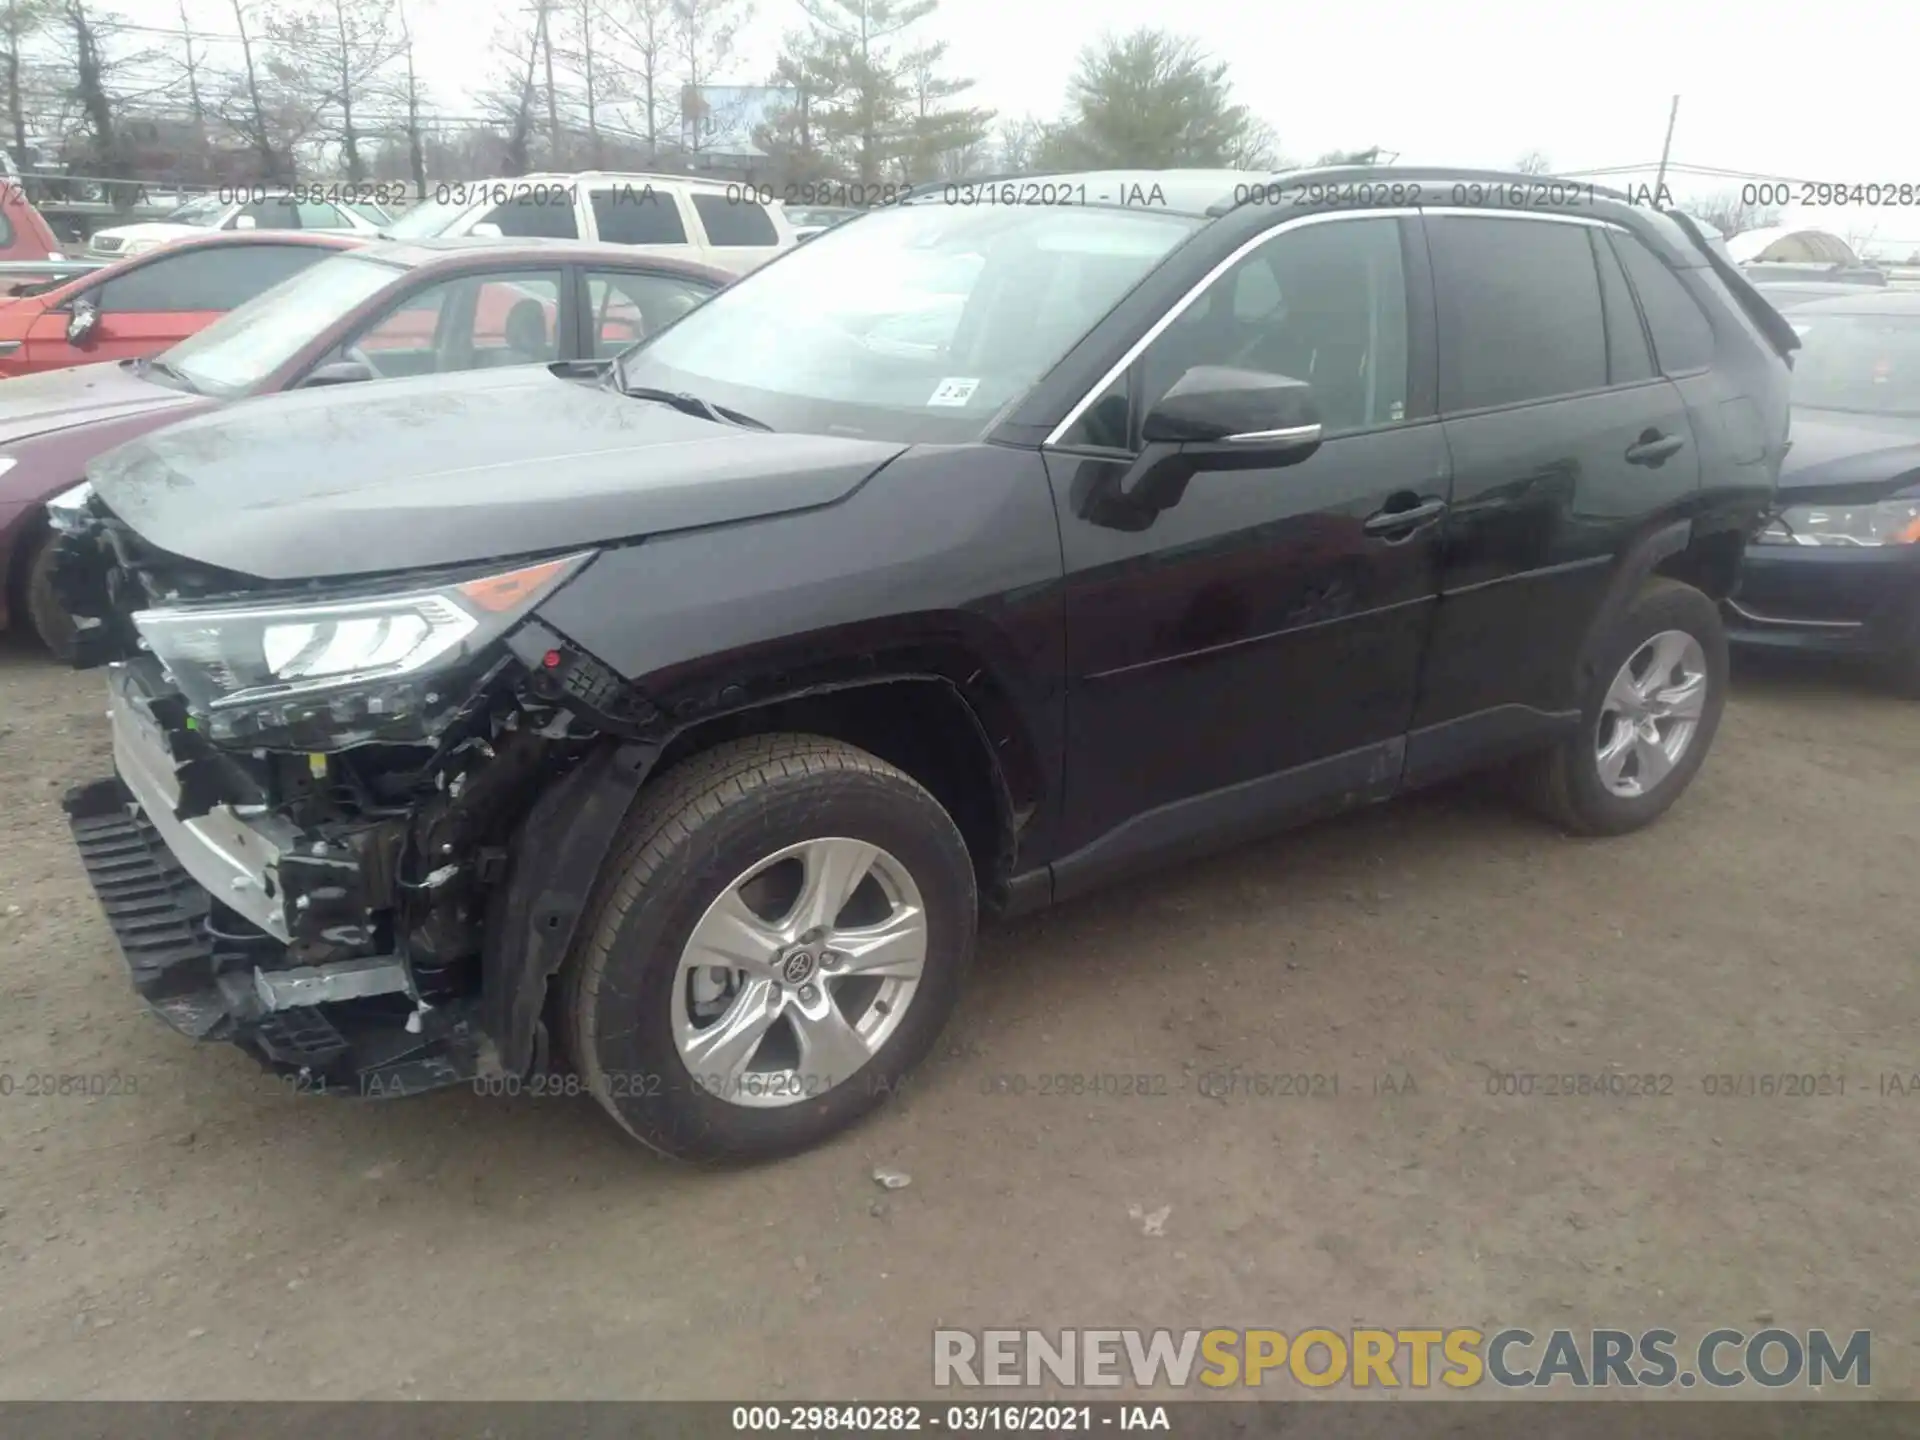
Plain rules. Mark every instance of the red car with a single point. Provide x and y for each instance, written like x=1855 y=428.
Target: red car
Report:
x=381 y=312
x=141 y=306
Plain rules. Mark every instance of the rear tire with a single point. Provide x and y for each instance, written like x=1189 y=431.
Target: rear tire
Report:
x=1627 y=763
x=45 y=614
x=740 y=821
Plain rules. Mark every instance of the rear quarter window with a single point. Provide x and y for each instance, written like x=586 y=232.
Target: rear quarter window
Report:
x=1682 y=334
x=735 y=222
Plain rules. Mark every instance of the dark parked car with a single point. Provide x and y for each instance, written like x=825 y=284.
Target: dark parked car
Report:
x=430 y=307
x=1838 y=568
x=666 y=730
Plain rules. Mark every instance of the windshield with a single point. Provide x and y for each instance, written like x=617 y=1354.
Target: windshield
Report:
x=203 y=212
x=245 y=346
x=1867 y=364
x=427 y=219
x=920 y=323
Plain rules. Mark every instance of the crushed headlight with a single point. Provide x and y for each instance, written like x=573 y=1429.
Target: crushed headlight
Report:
x=1884 y=522
x=324 y=674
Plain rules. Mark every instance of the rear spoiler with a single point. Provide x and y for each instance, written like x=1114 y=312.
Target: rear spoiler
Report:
x=1769 y=321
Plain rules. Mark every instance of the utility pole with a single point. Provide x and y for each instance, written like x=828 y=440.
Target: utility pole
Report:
x=1660 y=180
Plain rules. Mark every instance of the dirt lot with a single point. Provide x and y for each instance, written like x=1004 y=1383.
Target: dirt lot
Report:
x=211 y=1236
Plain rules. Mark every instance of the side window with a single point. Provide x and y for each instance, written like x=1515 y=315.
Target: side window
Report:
x=628 y=308
x=1324 y=303
x=413 y=324
x=276 y=212
x=317 y=215
x=1682 y=334
x=219 y=279
x=6 y=230
x=642 y=216
x=542 y=214
x=1628 y=359
x=1519 y=310
x=516 y=319
x=734 y=222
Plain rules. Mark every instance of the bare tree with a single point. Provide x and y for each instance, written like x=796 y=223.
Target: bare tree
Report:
x=703 y=34
x=1257 y=147
x=1018 y=143
x=583 y=61
x=345 y=49
x=24 y=18
x=1731 y=215
x=85 y=47
x=416 y=151
x=247 y=111
x=510 y=102
x=640 y=33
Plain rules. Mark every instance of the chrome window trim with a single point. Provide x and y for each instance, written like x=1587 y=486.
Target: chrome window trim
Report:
x=1179 y=308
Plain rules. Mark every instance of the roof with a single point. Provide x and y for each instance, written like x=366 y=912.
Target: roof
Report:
x=488 y=249
x=1753 y=244
x=592 y=177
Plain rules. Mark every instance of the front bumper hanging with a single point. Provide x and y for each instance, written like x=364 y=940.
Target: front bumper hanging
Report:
x=200 y=911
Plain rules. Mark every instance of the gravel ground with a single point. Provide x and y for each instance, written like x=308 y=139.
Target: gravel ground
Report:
x=209 y=1236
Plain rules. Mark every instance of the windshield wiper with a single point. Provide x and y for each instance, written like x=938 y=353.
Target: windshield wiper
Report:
x=694 y=405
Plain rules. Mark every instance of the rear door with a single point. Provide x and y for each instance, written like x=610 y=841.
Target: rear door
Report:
x=740 y=231
x=1567 y=444
x=638 y=213
x=161 y=300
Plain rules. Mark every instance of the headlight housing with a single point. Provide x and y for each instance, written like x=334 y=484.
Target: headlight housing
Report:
x=1883 y=522
x=326 y=674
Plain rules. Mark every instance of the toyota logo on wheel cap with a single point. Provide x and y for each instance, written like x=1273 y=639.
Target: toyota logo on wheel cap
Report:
x=798 y=967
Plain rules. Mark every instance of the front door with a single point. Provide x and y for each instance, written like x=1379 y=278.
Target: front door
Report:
x=1253 y=650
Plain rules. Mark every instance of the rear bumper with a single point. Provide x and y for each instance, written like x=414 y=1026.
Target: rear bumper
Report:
x=200 y=916
x=1856 y=601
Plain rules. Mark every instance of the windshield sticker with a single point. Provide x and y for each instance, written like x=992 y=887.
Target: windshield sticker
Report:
x=954 y=390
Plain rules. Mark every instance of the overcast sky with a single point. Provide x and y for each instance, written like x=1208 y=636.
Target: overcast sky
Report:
x=1788 y=91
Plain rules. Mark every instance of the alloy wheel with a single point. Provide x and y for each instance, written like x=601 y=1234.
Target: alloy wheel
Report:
x=799 y=972
x=1651 y=713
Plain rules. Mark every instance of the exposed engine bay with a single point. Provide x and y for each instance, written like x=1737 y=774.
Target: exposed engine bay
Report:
x=317 y=792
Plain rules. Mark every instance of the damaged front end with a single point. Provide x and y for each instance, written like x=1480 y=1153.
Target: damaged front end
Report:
x=316 y=797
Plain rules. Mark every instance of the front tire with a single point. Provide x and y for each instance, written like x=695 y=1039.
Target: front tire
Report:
x=779 y=938
x=45 y=613
x=1652 y=706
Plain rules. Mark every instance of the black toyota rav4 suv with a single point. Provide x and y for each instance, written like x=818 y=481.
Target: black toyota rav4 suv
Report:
x=661 y=729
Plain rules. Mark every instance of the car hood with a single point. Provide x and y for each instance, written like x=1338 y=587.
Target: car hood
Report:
x=1840 y=456
x=407 y=474
x=33 y=405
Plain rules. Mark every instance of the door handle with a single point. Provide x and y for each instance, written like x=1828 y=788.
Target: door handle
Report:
x=1653 y=448
x=1392 y=522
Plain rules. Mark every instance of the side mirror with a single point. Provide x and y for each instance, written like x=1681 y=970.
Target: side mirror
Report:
x=1214 y=418
x=487 y=229
x=84 y=320
x=1249 y=410
x=245 y=222
x=340 y=372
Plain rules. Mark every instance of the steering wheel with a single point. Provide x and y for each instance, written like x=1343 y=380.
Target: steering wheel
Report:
x=360 y=357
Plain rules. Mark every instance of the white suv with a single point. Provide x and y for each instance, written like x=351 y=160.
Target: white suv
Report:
x=707 y=221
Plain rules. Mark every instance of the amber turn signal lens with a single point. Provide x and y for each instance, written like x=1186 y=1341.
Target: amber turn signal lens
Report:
x=503 y=592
